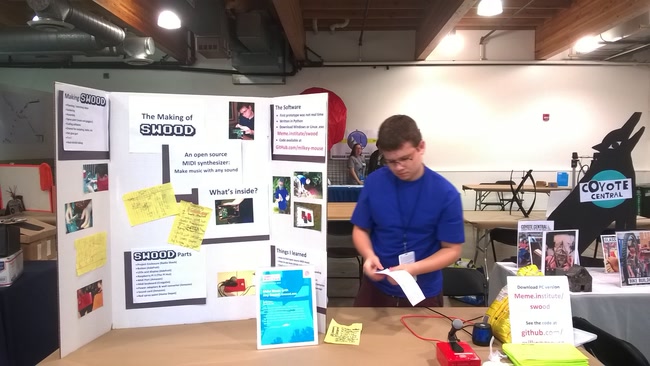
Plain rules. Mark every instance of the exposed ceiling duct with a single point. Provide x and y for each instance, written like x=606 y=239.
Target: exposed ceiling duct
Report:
x=25 y=41
x=61 y=29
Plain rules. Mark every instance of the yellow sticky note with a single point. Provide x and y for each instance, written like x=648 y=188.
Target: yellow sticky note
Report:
x=150 y=204
x=91 y=252
x=190 y=225
x=343 y=334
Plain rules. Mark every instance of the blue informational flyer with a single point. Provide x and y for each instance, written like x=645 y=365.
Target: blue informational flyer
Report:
x=286 y=311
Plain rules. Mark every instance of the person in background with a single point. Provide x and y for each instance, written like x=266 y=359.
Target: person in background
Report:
x=375 y=161
x=246 y=120
x=416 y=225
x=356 y=165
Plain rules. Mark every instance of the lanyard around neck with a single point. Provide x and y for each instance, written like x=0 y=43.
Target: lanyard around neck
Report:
x=406 y=225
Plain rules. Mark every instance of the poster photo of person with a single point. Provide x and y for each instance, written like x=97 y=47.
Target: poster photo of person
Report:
x=241 y=121
x=307 y=216
x=78 y=215
x=89 y=298
x=95 y=178
x=308 y=185
x=234 y=211
x=560 y=250
x=523 y=251
x=281 y=195
x=634 y=257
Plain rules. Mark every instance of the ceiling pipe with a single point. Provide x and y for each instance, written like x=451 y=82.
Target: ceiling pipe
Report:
x=314 y=25
x=63 y=11
x=335 y=26
x=483 y=39
x=363 y=27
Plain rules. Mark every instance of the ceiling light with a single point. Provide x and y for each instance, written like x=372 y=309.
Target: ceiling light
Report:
x=587 y=44
x=488 y=8
x=169 y=20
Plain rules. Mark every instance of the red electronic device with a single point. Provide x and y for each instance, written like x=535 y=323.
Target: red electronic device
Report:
x=447 y=357
x=241 y=286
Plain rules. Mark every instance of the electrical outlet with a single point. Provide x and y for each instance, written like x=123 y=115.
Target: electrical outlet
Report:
x=241 y=286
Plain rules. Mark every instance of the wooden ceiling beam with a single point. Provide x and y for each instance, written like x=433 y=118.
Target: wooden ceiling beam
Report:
x=441 y=18
x=290 y=15
x=361 y=4
x=360 y=14
x=141 y=16
x=14 y=13
x=583 y=18
x=488 y=28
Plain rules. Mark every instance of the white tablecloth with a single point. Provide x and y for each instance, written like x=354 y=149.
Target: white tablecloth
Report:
x=621 y=311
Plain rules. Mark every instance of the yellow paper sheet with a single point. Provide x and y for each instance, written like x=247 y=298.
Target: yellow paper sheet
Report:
x=150 y=204
x=343 y=334
x=190 y=225
x=91 y=252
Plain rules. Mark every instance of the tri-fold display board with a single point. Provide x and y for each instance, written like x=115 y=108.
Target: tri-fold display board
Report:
x=168 y=204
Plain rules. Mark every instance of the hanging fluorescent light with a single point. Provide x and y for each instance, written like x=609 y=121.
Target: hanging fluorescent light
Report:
x=169 y=20
x=488 y=8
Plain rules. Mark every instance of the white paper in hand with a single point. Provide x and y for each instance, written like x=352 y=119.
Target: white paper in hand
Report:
x=407 y=283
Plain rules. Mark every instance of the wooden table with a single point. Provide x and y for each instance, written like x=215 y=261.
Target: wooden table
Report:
x=384 y=340
x=340 y=211
x=484 y=190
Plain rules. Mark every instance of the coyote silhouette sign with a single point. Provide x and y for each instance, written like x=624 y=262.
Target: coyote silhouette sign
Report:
x=606 y=193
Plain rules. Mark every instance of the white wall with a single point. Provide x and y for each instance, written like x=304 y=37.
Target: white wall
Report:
x=499 y=46
x=480 y=122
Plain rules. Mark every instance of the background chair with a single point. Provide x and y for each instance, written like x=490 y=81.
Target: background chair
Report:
x=343 y=230
x=464 y=282
x=608 y=349
x=505 y=236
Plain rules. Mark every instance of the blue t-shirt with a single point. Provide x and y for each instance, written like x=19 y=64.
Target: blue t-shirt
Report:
x=281 y=193
x=420 y=213
x=248 y=122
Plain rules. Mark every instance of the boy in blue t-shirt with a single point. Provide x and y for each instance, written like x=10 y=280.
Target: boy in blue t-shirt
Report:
x=408 y=217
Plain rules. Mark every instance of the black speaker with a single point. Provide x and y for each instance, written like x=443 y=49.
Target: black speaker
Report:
x=9 y=240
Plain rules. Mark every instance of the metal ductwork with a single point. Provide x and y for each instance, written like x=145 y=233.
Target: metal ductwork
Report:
x=59 y=15
x=27 y=41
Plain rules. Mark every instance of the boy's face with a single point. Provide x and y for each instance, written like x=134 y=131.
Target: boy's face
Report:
x=280 y=184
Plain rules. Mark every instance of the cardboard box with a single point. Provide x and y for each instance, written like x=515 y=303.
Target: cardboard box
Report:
x=33 y=230
x=40 y=250
x=11 y=268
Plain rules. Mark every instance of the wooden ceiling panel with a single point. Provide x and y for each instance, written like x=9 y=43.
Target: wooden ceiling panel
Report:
x=537 y=4
x=525 y=13
x=583 y=18
x=361 y=4
x=15 y=13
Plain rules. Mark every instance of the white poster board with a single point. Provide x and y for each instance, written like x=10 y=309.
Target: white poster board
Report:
x=215 y=154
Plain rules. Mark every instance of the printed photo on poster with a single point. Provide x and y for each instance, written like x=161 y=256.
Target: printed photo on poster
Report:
x=307 y=216
x=78 y=215
x=95 y=178
x=236 y=283
x=308 y=185
x=610 y=252
x=281 y=195
x=234 y=211
x=523 y=251
x=560 y=250
x=634 y=257
x=89 y=298
x=241 y=121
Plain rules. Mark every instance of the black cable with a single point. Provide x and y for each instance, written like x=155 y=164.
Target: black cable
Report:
x=451 y=320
